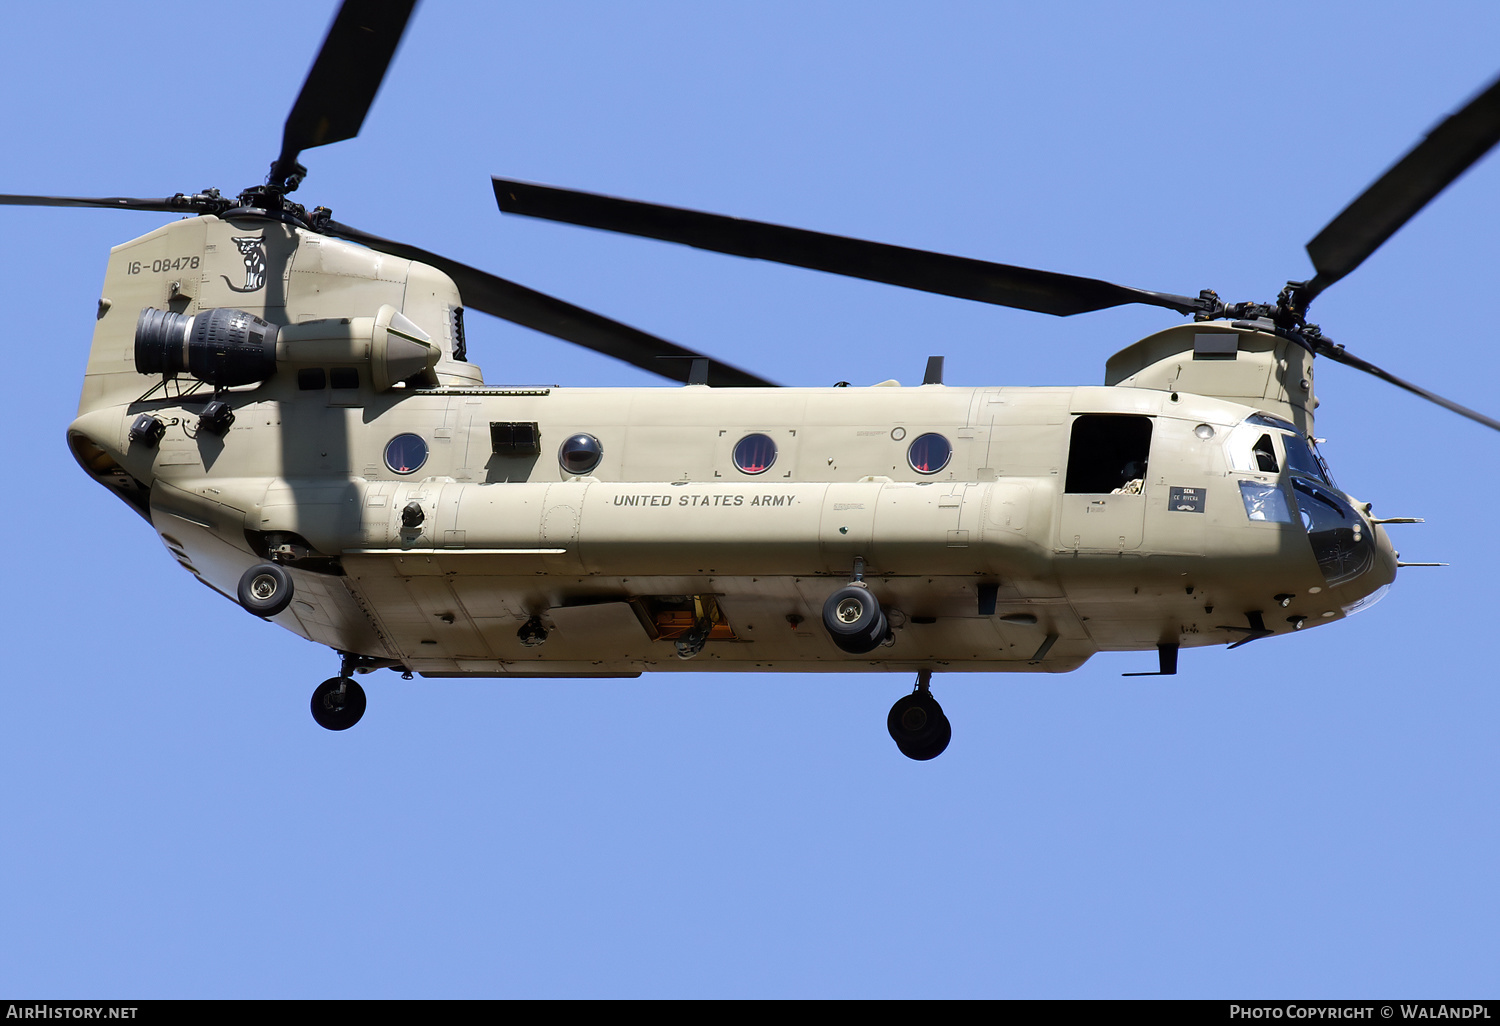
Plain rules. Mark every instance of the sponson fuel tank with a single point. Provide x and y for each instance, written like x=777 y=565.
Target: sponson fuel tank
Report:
x=639 y=528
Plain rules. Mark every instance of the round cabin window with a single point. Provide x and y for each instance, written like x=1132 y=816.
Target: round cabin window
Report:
x=580 y=453
x=754 y=454
x=929 y=453
x=405 y=454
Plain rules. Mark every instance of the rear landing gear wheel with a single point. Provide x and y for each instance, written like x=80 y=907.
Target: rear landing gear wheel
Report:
x=917 y=724
x=854 y=619
x=338 y=703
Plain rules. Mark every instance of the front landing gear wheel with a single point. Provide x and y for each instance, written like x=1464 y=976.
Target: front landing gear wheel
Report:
x=338 y=703
x=265 y=589
x=918 y=726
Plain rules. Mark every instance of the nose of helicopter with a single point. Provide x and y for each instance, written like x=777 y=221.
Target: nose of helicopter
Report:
x=1383 y=573
x=1369 y=587
x=1353 y=552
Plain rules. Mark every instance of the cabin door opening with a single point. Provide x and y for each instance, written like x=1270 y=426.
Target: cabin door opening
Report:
x=1104 y=495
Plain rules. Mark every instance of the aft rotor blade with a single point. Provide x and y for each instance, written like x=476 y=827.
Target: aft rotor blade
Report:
x=1000 y=284
x=1395 y=197
x=1340 y=355
x=520 y=305
x=344 y=78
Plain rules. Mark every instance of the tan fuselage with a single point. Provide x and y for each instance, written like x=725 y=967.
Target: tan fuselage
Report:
x=991 y=563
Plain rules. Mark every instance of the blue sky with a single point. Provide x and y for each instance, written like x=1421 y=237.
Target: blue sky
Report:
x=1314 y=816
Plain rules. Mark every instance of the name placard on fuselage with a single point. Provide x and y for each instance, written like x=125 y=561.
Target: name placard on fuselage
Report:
x=703 y=501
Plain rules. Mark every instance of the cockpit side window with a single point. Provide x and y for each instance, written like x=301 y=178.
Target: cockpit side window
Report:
x=1265 y=455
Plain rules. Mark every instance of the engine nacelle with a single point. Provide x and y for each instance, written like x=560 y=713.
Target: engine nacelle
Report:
x=226 y=347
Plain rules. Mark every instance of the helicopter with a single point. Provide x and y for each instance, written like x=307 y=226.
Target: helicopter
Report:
x=925 y=529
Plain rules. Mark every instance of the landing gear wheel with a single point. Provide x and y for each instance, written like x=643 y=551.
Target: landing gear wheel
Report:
x=854 y=619
x=265 y=589
x=338 y=703
x=918 y=726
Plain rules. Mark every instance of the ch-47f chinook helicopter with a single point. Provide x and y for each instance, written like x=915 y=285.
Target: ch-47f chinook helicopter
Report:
x=289 y=402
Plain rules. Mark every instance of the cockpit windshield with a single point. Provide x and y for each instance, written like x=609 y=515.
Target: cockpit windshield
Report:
x=1341 y=544
x=1301 y=457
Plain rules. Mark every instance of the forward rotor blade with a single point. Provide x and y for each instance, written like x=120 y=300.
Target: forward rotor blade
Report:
x=1394 y=198
x=1000 y=284
x=168 y=205
x=540 y=312
x=344 y=78
x=1340 y=355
